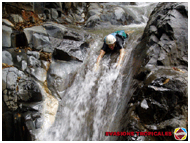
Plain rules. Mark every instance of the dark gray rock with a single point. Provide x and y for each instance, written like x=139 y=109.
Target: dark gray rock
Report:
x=10 y=86
x=159 y=99
x=29 y=32
x=41 y=41
x=47 y=13
x=54 y=30
x=72 y=48
x=60 y=76
x=94 y=9
x=92 y=21
x=54 y=13
x=73 y=35
x=171 y=33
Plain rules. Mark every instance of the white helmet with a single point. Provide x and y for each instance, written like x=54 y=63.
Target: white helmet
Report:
x=110 y=39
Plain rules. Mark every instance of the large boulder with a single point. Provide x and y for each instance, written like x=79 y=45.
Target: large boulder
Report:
x=60 y=76
x=32 y=30
x=166 y=33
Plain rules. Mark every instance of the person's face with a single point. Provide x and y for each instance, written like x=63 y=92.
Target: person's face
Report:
x=111 y=46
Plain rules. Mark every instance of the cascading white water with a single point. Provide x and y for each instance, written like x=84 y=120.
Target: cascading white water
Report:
x=89 y=106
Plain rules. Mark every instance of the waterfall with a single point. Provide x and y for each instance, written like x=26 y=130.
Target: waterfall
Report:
x=93 y=104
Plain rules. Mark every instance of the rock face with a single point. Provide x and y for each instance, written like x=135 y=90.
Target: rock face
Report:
x=159 y=101
x=98 y=14
x=36 y=74
x=41 y=56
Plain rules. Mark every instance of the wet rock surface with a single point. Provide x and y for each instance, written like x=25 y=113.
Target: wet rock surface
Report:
x=159 y=101
x=30 y=85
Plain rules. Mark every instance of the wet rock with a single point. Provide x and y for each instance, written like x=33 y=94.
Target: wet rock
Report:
x=11 y=80
x=92 y=21
x=72 y=48
x=26 y=86
x=174 y=122
x=10 y=86
x=160 y=94
x=32 y=61
x=80 y=7
x=42 y=16
x=34 y=67
x=41 y=42
x=15 y=18
x=94 y=9
x=38 y=123
x=61 y=55
x=34 y=54
x=7 y=58
x=17 y=57
x=47 y=13
x=60 y=76
x=119 y=13
x=7 y=23
x=78 y=18
x=54 y=13
x=6 y=36
x=45 y=64
x=32 y=106
x=25 y=94
x=69 y=20
x=55 y=30
x=72 y=35
x=32 y=30
x=167 y=30
x=39 y=73
x=24 y=65
x=4 y=79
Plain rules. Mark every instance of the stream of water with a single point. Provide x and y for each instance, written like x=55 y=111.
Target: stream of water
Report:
x=89 y=107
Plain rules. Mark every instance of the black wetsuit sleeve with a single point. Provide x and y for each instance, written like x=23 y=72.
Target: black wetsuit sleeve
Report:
x=104 y=47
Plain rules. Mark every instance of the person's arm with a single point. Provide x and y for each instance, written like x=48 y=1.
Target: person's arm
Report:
x=129 y=32
x=121 y=56
x=102 y=53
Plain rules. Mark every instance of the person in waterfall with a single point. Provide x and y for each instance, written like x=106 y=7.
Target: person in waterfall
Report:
x=112 y=43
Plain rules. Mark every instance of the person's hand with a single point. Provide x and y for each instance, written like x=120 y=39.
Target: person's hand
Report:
x=129 y=32
x=96 y=67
